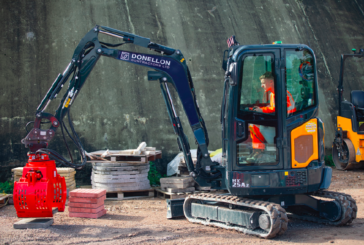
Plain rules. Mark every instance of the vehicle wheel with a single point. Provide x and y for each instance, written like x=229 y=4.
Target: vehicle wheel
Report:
x=341 y=161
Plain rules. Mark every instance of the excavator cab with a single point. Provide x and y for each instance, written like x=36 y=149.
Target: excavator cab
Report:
x=257 y=89
x=273 y=136
x=348 y=145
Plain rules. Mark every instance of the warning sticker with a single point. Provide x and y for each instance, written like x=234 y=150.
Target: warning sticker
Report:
x=311 y=127
x=67 y=102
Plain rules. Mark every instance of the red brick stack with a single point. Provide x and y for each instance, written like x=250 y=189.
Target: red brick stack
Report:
x=87 y=203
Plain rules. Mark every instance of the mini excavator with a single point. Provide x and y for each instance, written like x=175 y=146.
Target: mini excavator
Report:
x=272 y=140
x=348 y=145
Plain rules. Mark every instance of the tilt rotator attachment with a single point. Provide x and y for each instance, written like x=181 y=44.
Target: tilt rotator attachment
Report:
x=39 y=189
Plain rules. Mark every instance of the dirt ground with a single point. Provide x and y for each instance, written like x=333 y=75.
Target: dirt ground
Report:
x=142 y=221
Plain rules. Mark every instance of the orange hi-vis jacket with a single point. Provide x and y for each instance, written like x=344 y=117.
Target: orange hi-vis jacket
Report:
x=258 y=140
x=272 y=107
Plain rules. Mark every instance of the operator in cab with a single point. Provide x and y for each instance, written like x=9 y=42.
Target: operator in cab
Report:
x=258 y=139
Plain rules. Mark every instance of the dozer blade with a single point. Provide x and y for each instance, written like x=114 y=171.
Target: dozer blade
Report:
x=347 y=210
x=263 y=219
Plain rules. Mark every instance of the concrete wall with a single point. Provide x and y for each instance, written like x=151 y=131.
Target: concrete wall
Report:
x=118 y=107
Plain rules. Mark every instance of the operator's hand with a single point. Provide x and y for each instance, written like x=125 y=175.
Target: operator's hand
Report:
x=257 y=108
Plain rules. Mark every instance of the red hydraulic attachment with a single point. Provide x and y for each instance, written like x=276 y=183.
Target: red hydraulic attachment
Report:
x=39 y=189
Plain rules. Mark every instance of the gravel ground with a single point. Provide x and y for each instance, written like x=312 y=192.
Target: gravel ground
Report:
x=142 y=221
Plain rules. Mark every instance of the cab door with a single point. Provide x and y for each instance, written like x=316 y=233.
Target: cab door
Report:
x=304 y=130
x=256 y=134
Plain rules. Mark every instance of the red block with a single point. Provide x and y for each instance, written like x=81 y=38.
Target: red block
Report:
x=87 y=200
x=86 y=205
x=93 y=193
x=86 y=210
x=88 y=215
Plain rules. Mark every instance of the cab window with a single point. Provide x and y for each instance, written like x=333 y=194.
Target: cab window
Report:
x=257 y=85
x=257 y=97
x=299 y=80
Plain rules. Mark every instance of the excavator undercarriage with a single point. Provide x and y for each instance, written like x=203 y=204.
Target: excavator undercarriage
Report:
x=268 y=219
x=253 y=217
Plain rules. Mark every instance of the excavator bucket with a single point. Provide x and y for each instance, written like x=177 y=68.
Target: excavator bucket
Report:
x=40 y=189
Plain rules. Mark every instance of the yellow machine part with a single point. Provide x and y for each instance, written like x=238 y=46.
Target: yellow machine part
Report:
x=304 y=143
x=355 y=138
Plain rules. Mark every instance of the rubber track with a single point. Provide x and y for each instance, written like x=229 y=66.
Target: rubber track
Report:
x=348 y=209
x=278 y=216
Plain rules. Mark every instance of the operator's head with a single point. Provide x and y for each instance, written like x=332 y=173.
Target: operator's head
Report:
x=267 y=81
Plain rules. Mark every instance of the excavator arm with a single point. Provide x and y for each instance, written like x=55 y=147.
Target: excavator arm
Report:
x=170 y=68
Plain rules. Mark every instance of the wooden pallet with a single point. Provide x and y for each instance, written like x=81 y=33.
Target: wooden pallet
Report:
x=120 y=195
x=179 y=190
x=142 y=154
x=132 y=159
x=85 y=187
x=5 y=199
x=67 y=173
x=62 y=170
